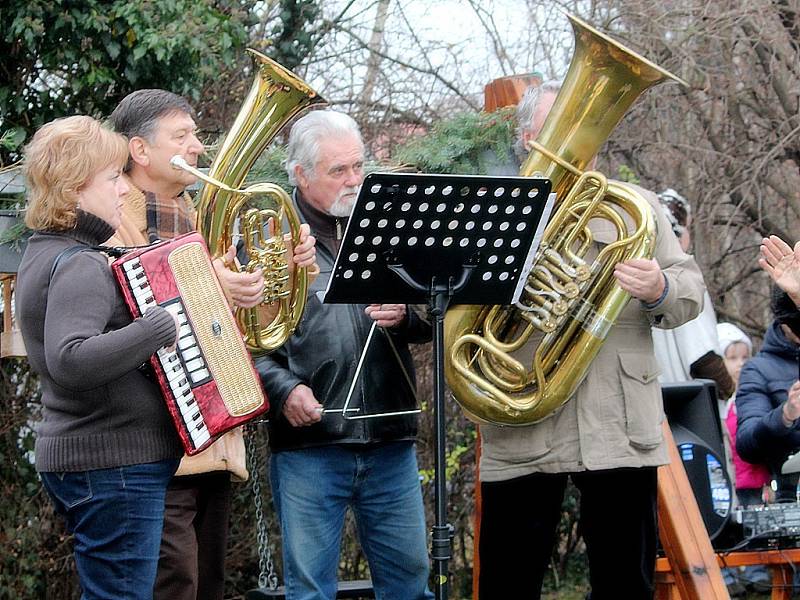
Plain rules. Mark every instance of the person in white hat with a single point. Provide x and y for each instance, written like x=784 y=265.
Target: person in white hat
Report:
x=736 y=348
x=690 y=351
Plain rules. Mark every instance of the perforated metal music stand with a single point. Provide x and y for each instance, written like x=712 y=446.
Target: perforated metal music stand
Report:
x=437 y=239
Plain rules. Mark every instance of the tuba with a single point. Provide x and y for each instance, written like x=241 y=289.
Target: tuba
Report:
x=276 y=96
x=570 y=299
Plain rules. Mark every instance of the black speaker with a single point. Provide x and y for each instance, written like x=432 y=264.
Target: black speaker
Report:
x=693 y=416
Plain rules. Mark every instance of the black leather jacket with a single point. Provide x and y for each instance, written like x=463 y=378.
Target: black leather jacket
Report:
x=323 y=353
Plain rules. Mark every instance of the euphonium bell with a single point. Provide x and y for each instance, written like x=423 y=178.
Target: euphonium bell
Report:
x=276 y=96
x=571 y=299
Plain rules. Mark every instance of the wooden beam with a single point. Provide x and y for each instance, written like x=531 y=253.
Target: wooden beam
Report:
x=683 y=533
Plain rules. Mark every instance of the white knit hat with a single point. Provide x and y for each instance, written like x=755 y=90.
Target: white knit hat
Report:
x=728 y=334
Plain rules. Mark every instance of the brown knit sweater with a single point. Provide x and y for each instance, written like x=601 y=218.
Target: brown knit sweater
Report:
x=98 y=409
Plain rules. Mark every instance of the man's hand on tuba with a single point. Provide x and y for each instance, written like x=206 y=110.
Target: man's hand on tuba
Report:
x=641 y=278
x=305 y=253
x=246 y=290
x=242 y=289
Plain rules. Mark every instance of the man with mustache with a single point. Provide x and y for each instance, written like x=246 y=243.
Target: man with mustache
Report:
x=160 y=125
x=321 y=463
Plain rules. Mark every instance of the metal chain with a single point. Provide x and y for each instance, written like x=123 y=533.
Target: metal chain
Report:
x=266 y=570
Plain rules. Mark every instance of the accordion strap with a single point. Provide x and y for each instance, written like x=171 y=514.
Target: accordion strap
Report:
x=116 y=252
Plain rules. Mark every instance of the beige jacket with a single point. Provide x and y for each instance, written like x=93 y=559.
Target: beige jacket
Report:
x=228 y=452
x=614 y=418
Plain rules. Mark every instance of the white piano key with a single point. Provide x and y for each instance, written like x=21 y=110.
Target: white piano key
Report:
x=132 y=265
x=184 y=330
x=178 y=385
x=146 y=302
x=194 y=365
x=167 y=357
x=173 y=370
x=136 y=275
x=186 y=403
x=190 y=353
x=171 y=364
x=199 y=375
x=200 y=436
x=140 y=293
x=187 y=412
x=187 y=342
x=173 y=308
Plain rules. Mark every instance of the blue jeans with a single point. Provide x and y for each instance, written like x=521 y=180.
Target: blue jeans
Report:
x=312 y=489
x=116 y=516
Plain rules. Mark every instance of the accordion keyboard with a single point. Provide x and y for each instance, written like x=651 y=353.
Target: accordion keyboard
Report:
x=180 y=378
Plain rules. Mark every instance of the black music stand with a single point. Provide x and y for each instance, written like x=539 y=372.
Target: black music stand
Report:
x=435 y=239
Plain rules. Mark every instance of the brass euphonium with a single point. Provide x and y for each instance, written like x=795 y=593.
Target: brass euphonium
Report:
x=570 y=299
x=276 y=96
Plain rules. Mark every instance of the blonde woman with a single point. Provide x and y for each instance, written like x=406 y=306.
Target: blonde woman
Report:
x=105 y=447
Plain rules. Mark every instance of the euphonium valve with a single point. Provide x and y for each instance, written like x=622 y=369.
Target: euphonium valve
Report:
x=276 y=96
x=515 y=365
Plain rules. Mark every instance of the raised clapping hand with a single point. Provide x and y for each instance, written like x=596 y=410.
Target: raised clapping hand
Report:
x=783 y=265
x=301 y=407
x=386 y=315
x=641 y=278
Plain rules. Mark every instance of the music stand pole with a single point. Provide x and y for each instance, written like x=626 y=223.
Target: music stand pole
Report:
x=439 y=296
x=441 y=542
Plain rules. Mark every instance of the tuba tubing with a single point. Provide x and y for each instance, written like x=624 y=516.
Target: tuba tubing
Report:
x=516 y=365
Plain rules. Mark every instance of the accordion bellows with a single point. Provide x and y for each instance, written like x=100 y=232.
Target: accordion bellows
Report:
x=209 y=381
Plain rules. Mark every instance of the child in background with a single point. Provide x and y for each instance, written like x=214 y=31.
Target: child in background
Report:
x=751 y=481
x=750 y=478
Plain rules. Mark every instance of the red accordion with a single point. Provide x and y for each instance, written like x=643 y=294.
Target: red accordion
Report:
x=209 y=381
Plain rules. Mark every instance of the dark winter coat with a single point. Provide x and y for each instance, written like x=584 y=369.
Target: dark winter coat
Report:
x=323 y=353
x=763 y=387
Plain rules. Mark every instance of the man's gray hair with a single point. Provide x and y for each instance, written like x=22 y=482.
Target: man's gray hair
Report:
x=308 y=133
x=138 y=113
x=527 y=108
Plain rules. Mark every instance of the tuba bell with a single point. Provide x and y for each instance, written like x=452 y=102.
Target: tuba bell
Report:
x=276 y=96
x=570 y=299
